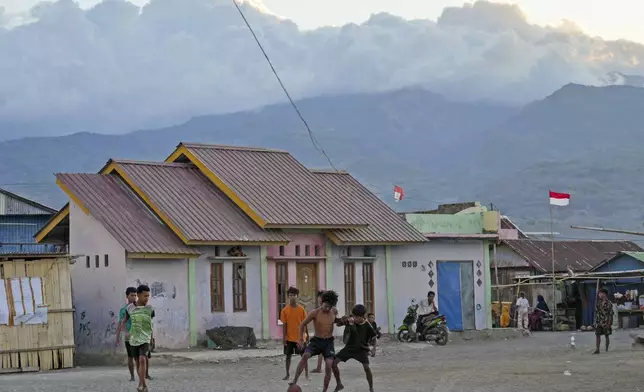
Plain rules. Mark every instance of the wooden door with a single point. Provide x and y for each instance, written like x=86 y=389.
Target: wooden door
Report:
x=307 y=283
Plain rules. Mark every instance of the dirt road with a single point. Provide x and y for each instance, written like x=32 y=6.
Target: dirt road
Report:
x=539 y=363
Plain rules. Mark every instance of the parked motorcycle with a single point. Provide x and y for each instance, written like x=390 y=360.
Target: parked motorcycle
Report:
x=434 y=330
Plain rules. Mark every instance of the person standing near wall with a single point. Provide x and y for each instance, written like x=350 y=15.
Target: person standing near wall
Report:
x=140 y=314
x=291 y=317
x=130 y=296
x=522 y=309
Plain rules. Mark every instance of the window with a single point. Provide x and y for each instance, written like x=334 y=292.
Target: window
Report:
x=349 y=287
x=282 y=250
x=348 y=251
x=87 y=261
x=107 y=260
x=368 y=252
x=217 y=251
x=307 y=250
x=281 y=283
x=317 y=250
x=217 y=287
x=297 y=250
x=367 y=287
x=239 y=287
x=97 y=260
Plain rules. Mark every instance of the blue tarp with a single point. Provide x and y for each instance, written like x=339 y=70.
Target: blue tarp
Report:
x=449 y=294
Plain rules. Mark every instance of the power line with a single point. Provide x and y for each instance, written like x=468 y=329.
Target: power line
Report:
x=297 y=110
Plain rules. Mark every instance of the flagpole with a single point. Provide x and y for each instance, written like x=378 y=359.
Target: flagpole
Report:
x=554 y=285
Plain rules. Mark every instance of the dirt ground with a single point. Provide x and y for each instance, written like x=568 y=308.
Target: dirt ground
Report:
x=543 y=362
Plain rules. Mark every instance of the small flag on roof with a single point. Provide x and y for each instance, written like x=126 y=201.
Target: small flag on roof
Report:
x=559 y=199
x=399 y=194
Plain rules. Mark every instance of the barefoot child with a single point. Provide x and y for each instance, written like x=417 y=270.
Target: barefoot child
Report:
x=130 y=296
x=324 y=319
x=361 y=335
x=318 y=368
x=292 y=316
x=140 y=314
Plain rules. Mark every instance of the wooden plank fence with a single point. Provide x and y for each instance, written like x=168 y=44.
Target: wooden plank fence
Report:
x=40 y=346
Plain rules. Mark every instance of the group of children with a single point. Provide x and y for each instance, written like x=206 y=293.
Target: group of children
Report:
x=361 y=332
x=135 y=319
x=360 y=337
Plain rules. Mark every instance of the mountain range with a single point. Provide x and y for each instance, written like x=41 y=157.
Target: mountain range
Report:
x=583 y=140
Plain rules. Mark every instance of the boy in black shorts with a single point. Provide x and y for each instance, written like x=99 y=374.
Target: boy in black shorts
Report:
x=361 y=335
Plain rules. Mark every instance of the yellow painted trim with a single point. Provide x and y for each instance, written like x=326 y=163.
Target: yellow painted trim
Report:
x=51 y=225
x=108 y=168
x=114 y=167
x=161 y=256
x=182 y=150
x=334 y=238
x=327 y=227
x=229 y=243
x=72 y=196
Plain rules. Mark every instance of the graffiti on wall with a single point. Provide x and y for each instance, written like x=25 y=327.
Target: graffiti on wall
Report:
x=160 y=289
x=110 y=329
x=84 y=328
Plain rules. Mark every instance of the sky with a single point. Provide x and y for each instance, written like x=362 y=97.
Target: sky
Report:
x=609 y=19
x=116 y=67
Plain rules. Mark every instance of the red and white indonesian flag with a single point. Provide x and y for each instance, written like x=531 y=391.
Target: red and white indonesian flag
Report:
x=559 y=199
x=399 y=194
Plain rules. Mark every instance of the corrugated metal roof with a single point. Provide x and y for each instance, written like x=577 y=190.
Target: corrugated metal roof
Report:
x=111 y=202
x=12 y=204
x=17 y=235
x=199 y=210
x=385 y=225
x=276 y=186
x=578 y=255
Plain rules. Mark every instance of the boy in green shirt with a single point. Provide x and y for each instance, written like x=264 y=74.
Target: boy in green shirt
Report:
x=140 y=315
x=130 y=296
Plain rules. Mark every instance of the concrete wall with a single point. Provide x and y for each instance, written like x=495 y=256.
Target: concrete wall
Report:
x=252 y=317
x=379 y=276
x=168 y=282
x=414 y=282
x=98 y=292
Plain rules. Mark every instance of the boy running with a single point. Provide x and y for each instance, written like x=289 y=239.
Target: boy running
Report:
x=140 y=315
x=324 y=319
x=361 y=335
x=291 y=317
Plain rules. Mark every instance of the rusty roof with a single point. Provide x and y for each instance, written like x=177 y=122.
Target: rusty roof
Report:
x=273 y=187
x=579 y=255
x=194 y=205
x=110 y=201
x=385 y=225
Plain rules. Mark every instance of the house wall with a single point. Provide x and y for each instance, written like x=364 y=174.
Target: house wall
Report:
x=302 y=239
x=252 y=317
x=98 y=292
x=414 y=282
x=507 y=258
x=379 y=276
x=168 y=282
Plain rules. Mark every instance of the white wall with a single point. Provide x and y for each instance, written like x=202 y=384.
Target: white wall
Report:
x=168 y=282
x=380 y=282
x=252 y=317
x=414 y=282
x=98 y=293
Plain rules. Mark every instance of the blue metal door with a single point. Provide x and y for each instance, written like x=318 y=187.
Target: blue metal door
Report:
x=449 y=294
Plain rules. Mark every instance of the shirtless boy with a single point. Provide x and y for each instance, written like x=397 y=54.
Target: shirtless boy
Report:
x=318 y=368
x=324 y=319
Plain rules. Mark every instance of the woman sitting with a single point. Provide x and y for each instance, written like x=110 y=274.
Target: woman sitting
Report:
x=537 y=315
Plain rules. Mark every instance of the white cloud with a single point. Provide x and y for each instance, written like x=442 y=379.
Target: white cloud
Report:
x=117 y=67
